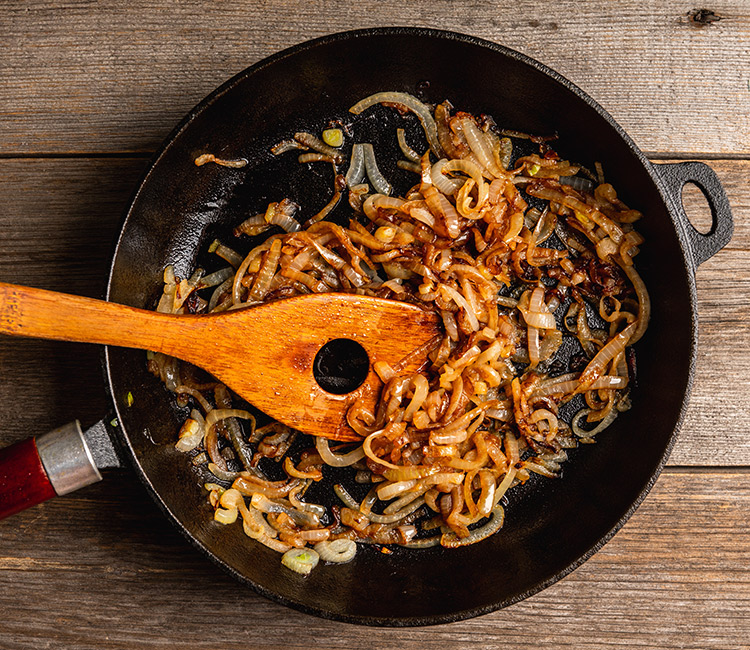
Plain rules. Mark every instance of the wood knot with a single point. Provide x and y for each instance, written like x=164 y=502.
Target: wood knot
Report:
x=703 y=17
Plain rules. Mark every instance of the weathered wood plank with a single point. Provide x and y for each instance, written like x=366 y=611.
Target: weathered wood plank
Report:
x=713 y=432
x=676 y=576
x=59 y=220
x=58 y=225
x=88 y=77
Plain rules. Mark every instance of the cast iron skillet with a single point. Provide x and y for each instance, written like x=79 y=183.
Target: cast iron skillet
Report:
x=552 y=526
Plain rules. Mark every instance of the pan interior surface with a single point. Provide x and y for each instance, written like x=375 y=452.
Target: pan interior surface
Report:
x=551 y=526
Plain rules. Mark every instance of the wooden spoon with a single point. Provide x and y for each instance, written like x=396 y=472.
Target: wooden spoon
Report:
x=265 y=354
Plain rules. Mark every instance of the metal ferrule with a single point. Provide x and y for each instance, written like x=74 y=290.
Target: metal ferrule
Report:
x=67 y=458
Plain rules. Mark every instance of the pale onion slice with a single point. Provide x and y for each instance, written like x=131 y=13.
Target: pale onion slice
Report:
x=420 y=109
x=356 y=173
x=497 y=517
x=373 y=172
x=408 y=152
x=339 y=551
x=337 y=460
x=582 y=433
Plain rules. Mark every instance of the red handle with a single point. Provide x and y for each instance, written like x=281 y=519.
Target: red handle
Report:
x=23 y=481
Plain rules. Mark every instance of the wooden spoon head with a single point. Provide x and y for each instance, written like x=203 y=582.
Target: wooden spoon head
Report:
x=267 y=354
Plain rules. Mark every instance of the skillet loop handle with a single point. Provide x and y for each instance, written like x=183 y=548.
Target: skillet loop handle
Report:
x=675 y=177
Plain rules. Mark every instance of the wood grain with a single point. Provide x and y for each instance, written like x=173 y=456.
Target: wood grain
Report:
x=110 y=77
x=102 y=569
x=676 y=576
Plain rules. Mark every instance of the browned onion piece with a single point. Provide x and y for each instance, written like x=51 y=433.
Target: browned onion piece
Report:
x=311 y=141
x=613 y=347
x=209 y=157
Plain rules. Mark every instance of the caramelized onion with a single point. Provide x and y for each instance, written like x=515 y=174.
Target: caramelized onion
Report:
x=481 y=414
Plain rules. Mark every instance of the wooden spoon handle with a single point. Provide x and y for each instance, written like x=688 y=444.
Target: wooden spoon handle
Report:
x=38 y=313
x=265 y=353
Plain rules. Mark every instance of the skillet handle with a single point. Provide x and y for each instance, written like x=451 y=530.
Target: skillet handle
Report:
x=675 y=177
x=37 y=469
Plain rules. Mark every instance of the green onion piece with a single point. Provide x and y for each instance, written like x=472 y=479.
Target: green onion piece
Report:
x=533 y=170
x=333 y=137
x=214 y=245
x=300 y=560
x=129 y=398
x=113 y=422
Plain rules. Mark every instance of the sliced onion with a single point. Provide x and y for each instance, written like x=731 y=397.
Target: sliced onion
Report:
x=448 y=186
x=215 y=415
x=339 y=551
x=315 y=157
x=356 y=173
x=504 y=152
x=367 y=447
x=479 y=145
x=532 y=337
x=427 y=542
x=413 y=104
x=226 y=253
x=497 y=518
x=644 y=302
x=347 y=499
x=409 y=166
x=191 y=435
x=539 y=320
x=209 y=157
x=455 y=296
x=301 y=560
x=283 y=216
x=578 y=183
x=487 y=496
x=262 y=503
x=265 y=539
x=312 y=474
x=224 y=516
x=389 y=490
x=392 y=517
x=408 y=152
x=581 y=433
x=425 y=216
x=373 y=173
x=286 y=145
x=410 y=472
x=337 y=460
x=421 y=388
x=311 y=141
x=267 y=270
x=608 y=352
x=216 y=278
x=316 y=509
x=222 y=474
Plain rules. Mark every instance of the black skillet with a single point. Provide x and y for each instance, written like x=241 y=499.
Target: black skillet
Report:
x=552 y=526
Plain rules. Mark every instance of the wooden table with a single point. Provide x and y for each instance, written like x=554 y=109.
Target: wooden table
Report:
x=88 y=90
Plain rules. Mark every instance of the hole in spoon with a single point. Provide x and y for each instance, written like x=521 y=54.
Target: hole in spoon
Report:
x=341 y=366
